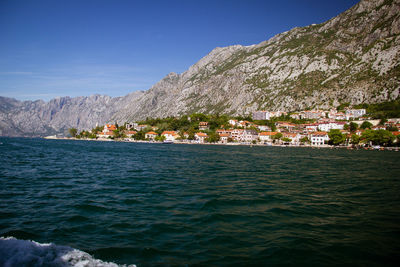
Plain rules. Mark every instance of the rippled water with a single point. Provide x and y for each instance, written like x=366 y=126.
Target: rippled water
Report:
x=154 y=204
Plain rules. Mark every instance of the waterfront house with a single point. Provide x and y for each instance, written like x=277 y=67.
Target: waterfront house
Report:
x=151 y=135
x=170 y=135
x=237 y=134
x=250 y=135
x=266 y=136
x=319 y=138
x=200 y=137
x=294 y=137
x=223 y=137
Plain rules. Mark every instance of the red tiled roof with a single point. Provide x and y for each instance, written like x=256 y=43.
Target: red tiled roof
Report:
x=168 y=132
x=267 y=133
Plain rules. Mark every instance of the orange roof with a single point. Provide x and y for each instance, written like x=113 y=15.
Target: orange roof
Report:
x=267 y=133
x=153 y=133
x=131 y=132
x=319 y=133
x=396 y=133
x=224 y=135
x=168 y=132
x=290 y=134
x=201 y=134
x=111 y=127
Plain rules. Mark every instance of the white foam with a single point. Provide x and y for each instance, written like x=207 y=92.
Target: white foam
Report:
x=15 y=252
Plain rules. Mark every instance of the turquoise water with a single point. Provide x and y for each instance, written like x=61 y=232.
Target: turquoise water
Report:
x=154 y=204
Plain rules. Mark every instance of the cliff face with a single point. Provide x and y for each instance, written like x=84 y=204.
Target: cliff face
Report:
x=354 y=57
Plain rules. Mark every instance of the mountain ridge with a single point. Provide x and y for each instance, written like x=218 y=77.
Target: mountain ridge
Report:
x=353 y=57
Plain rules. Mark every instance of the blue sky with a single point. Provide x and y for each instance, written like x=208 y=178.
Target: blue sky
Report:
x=83 y=47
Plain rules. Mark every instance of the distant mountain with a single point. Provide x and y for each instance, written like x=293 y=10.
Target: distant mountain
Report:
x=354 y=57
x=38 y=118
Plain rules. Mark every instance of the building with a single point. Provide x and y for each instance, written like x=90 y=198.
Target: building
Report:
x=131 y=125
x=355 y=113
x=294 y=137
x=249 y=135
x=237 y=134
x=130 y=134
x=203 y=125
x=200 y=137
x=312 y=114
x=266 y=115
x=327 y=126
x=233 y=122
x=223 y=131
x=266 y=136
x=223 y=138
x=285 y=126
x=170 y=135
x=151 y=135
x=261 y=115
x=263 y=128
x=319 y=138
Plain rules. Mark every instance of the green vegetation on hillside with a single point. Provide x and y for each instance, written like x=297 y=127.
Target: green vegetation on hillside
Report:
x=382 y=110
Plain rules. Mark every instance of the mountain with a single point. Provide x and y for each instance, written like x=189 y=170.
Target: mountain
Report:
x=354 y=58
x=38 y=118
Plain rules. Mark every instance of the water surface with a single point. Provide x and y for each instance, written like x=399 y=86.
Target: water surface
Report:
x=154 y=204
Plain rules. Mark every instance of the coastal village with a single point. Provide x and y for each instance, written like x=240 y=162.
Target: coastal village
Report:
x=350 y=127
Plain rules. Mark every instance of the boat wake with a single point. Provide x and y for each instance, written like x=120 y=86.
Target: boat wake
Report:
x=15 y=252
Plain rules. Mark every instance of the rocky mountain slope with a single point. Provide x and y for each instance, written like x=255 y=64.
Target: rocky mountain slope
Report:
x=354 y=57
x=38 y=118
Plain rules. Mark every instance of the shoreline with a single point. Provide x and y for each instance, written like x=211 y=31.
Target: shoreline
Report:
x=396 y=149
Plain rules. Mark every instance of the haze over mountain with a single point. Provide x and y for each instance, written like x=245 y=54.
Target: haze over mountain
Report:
x=353 y=58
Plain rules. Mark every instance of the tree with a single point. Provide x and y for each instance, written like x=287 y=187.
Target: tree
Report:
x=378 y=137
x=73 y=132
x=366 y=125
x=336 y=137
x=355 y=139
x=286 y=140
x=139 y=135
x=305 y=140
x=277 y=137
x=160 y=138
x=213 y=137
x=353 y=127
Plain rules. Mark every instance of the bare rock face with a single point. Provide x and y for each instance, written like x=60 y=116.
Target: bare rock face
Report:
x=354 y=57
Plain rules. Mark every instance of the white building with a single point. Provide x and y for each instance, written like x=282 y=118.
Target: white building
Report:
x=319 y=138
x=355 y=113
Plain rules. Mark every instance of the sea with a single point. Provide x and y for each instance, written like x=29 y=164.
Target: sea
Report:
x=88 y=203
